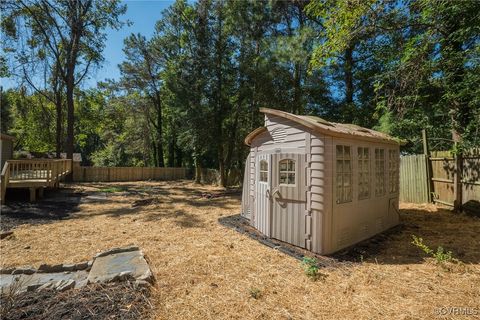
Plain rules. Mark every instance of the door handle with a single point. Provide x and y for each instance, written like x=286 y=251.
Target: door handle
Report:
x=275 y=193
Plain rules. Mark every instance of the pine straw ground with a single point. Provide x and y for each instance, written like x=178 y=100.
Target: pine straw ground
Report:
x=205 y=270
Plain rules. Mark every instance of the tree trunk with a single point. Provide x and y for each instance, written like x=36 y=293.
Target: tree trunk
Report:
x=178 y=156
x=171 y=151
x=231 y=141
x=154 y=154
x=70 y=122
x=348 y=74
x=158 y=103
x=58 y=133
x=297 y=90
x=198 y=170
x=221 y=166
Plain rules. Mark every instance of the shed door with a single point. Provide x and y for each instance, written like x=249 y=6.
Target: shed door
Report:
x=289 y=198
x=262 y=193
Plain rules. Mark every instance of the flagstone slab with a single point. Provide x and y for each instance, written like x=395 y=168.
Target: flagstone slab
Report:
x=117 y=264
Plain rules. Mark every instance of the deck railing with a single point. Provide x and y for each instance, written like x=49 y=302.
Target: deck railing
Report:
x=50 y=171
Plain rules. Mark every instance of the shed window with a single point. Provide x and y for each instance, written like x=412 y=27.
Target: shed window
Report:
x=379 y=172
x=263 y=171
x=392 y=170
x=287 y=171
x=344 y=174
x=363 y=173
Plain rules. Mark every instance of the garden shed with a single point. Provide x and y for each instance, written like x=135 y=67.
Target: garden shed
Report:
x=320 y=185
x=6 y=146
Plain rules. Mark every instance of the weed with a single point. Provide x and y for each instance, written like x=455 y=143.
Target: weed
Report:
x=9 y=296
x=255 y=293
x=310 y=266
x=441 y=255
x=112 y=189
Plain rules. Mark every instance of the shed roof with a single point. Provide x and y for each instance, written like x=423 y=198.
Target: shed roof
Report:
x=342 y=130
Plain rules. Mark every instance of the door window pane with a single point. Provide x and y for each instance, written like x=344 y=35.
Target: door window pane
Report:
x=263 y=171
x=287 y=172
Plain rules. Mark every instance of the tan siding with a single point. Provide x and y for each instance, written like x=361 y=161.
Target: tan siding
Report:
x=361 y=218
x=246 y=188
x=7 y=151
x=294 y=139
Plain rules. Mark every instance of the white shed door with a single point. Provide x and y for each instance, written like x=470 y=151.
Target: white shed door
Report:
x=263 y=180
x=289 y=198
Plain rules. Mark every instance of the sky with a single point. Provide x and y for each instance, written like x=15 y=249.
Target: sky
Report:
x=143 y=14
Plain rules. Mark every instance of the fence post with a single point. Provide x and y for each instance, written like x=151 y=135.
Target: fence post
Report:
x=428 y=166
x=457 y=181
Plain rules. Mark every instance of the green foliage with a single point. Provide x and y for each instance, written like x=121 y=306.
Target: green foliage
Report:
x=310 y=267
x=112 y=189
x=441 y=256
x=191 y=92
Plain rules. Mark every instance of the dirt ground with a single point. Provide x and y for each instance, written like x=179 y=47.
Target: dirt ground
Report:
x=207 y=270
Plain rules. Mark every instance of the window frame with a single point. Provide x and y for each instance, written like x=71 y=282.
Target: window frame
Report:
x=341 y=198
x=380 y=160
x=364 y=173
x=260 y=171
x=393 y=171
x=287 y=172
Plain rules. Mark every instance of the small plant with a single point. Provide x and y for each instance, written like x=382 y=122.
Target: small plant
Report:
x=255 y=293
x=310 y=266
x=112 y=189
x=441 y=256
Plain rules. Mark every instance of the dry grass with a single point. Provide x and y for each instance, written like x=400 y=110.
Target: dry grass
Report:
x=207 y=271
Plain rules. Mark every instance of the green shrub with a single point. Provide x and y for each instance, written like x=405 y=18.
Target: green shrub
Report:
x=441 y=256
x=310 y=266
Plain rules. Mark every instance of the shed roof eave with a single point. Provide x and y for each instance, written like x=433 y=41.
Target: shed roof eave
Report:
x=324 y=129
x=249 y=138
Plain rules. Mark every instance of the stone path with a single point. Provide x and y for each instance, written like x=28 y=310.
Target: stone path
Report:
x=118 y=264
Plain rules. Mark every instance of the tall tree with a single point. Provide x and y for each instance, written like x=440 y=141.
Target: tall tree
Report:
x=74 y=34
x=141 y=71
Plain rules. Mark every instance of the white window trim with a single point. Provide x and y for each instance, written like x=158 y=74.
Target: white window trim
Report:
x=384 y=189
x=351 y=159
x=287 y=172
x=393 y=163
x=368 y=173
x=260 y=171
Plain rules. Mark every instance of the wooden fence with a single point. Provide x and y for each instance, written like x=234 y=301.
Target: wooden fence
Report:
x=116 y=174
x=432 y=178
x=443 y=177
x=413 y=179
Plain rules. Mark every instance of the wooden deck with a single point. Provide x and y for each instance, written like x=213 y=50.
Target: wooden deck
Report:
x=34 y=175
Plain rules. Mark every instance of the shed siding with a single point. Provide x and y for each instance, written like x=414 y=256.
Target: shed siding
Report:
x=316 y=188
x=294 y=138
x=247 y=184
x=7 y=151
x=361 y=218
